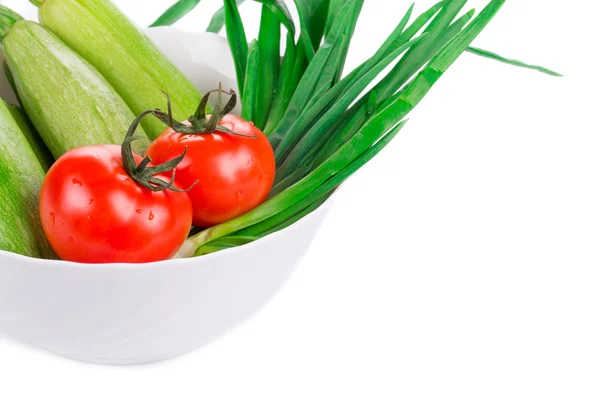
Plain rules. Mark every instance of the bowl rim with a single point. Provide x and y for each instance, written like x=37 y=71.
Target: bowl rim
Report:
x=174 y=261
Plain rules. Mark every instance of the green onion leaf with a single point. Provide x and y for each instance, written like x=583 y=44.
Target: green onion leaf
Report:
x=335 y=6
x=345 y=46
x=318 y=133
x=238 y=43
x=409 y=65
x=176 y=12
x=218 y=20
x=284 y=90
x=516 y=63
x=227 y=242
x=251 y=88
x=403 y=102
x=313 y=17
x=298 y=216
x=262 y=229
x=279 y=8
x=269 y=39
x=308 y=83
x=303 y=93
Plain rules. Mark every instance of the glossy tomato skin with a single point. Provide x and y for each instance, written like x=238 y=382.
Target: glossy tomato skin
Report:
x=93 y=212
x=234 y=173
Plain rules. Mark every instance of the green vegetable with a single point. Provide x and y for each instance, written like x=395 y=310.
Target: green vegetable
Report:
x=124 y=55
x=328 y=120
x=322 y=127
x=269 y=45
x=516 y=63
x=313 y=15
x=21 y=177
x=181 y=8
x=249 y=108
x=218 y=20
x=285 y=87
x=176 y=12
x=68 y=101
x=33 y=138
x=236 y=35
x=382 y=112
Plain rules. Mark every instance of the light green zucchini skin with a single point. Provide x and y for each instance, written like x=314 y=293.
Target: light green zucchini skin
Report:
x=102 y=34
x=33 y=138
x=21 y=177
x=69 y=102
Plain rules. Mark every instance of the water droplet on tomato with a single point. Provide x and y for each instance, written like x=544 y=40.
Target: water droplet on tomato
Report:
x=77 y=182
x=240 y=196
x=71 y=240
x=150 y=216
x=53 y=218
x=91 y=201
x=139 y=211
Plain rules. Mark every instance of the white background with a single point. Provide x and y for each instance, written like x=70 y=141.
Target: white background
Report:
x=462 y=263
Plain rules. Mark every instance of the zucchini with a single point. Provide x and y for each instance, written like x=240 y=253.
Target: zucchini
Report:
x=68 y=101
x=21 y=177
x=33 y=138
x=128 y=59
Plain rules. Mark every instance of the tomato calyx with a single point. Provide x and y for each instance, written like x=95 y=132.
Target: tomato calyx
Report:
x=199 y=123
x=142 y=173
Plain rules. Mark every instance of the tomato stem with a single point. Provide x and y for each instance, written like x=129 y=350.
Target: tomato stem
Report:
x=200 y=123
x=143 y=173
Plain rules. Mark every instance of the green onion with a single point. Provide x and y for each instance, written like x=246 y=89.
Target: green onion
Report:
x=269 y=39
x=313 y=15
x=218 y=20
x=410 y=64
x=334 y=7
x=176 y=12
x=335 y=170
x=320 y=129
x=237 y=41
x=285 y=88
x=279 y=8
x=305 y=39
x=516 y=63
x=251 y=89
x=383 y=119
x=307 y=141
x=308 y=84
x=303 y=93
x=183 y=7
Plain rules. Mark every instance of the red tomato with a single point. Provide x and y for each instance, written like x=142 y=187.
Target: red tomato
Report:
x=234 y=173
x=93 y=212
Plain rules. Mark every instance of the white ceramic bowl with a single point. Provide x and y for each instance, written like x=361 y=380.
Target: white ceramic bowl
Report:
x=129 y=314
